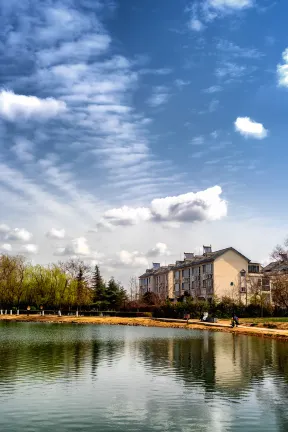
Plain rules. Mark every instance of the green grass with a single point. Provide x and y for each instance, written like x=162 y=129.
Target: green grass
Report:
x=267 y=319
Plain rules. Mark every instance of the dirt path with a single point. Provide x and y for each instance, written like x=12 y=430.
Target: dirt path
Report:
x=222 y=325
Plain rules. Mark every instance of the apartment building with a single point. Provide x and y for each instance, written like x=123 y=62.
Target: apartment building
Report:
x=225 y=272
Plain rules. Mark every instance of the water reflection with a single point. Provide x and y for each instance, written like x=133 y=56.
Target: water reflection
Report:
x=141 y=379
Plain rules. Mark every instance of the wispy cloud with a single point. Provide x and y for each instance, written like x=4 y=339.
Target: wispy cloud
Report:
x=198 y=140
x=181 y=83
x=160 y=96
x=205 y=11
x=282 y=70
x=213 y=89
x=232 y=50
x=230 y=71
x=196 y=25
x=23 y=149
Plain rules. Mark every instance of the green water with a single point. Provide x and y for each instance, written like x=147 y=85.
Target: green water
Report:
x=94 y=378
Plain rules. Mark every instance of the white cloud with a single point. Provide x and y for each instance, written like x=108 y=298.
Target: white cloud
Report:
x=282 y=70
x=223 y=5
x=6 y=247
x=161 y=249
x=249 y=128
x=231 y=70
x=234 y=50
x=55 y=233
x=30 y=249
x=4 y=228
x=132 y=259
x=124 y=216
x=196 y=25
x=198 y=140
x=213 y=89
x=18 y=234
x=77 y=246
x=191 y=207
x=14 y=106
x=181 y=83
x=82 y=49
x=160 y=96
x=23 y=149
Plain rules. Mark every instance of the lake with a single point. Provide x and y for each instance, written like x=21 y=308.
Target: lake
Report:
x=116 y=378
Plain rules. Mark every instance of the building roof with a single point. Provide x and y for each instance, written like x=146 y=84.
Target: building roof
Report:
x=276 y=266
x=198 y=259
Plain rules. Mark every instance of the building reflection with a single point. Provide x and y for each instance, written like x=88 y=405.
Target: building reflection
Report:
x=226 y=363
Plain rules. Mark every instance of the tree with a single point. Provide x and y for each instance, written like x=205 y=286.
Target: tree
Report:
x=115 y=294
x=280 y=290
x=98 y=286
x=133 y=288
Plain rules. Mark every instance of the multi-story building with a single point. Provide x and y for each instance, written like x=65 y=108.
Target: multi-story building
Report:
x=225 y=272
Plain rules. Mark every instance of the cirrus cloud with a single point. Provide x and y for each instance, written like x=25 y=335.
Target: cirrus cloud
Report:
x=14 y=106
x=249 y=128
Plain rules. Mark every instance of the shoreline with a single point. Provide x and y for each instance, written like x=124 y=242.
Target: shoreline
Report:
x=222 y=326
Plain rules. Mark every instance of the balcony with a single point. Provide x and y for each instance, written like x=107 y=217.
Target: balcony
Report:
x=201 y=292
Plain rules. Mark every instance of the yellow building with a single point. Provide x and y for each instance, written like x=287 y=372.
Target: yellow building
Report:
x=225 y=272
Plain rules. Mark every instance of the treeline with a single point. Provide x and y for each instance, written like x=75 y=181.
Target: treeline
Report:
x=65 y=285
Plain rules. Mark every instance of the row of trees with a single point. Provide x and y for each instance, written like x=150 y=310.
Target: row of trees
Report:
x=70 y=284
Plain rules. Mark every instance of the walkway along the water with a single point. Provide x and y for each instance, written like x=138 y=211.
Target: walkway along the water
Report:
x=253 y=330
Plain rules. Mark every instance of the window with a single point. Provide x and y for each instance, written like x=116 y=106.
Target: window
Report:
x=186 y=273
x=252 y=268
x=207 y=268
x=177 y=275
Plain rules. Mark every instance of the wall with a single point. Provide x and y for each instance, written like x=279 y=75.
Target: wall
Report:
x=171 y=284
x=227 y=269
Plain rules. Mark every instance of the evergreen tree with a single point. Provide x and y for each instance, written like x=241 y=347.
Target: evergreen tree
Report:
x=115 y=294
x=98 y=286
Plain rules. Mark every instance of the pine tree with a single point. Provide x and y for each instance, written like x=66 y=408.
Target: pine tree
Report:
x=98 y=287
x=115 y=294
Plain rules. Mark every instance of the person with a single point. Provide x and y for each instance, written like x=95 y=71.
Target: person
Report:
x=201 y=316
x=232 y=322
x=236 y=320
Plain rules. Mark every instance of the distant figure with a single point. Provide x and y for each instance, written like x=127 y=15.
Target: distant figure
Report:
x=236 y=320
x=201 y=316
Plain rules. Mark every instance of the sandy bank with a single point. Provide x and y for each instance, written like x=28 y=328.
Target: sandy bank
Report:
x=149 y=322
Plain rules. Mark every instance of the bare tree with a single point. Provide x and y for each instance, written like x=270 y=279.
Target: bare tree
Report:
x=280 y=252
x=133 y=285
x=280 y=290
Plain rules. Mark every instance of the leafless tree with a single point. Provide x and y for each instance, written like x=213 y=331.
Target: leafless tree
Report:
x=133 y=285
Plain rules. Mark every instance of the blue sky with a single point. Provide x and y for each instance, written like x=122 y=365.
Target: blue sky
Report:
x=131 y=131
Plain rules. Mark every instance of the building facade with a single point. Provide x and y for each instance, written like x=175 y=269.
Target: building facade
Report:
x=225 y=272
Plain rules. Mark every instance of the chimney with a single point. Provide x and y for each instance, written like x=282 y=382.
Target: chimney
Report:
x=207 y=250
x=284 y=256
x=188 y=255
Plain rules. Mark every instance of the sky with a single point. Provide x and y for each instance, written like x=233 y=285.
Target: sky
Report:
x=132 y=132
